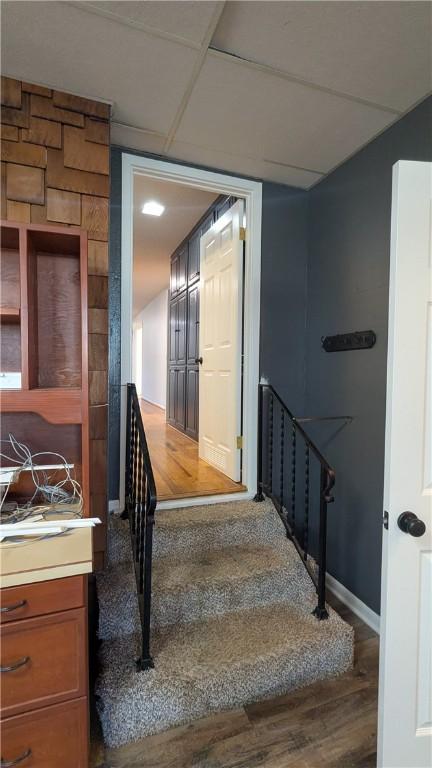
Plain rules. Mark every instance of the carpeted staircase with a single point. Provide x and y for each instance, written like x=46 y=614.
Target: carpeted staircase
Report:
x=231 y=620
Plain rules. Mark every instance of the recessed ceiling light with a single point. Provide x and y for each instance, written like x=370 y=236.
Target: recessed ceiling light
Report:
x=152 y=208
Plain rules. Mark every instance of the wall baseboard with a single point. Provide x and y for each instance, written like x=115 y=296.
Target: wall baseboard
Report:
x=357 y=606
x=114 y=505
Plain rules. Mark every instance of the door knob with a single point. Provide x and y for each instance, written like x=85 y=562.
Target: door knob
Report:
x=408 y=522
x=199 y=360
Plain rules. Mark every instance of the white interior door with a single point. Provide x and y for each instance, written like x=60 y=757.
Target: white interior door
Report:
x=405 y=696
x=221 y=288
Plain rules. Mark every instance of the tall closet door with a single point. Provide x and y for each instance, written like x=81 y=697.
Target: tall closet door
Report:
x=172 y=375
x=173 y=276
x=180 y=398
x=192 y=378
x=194 y=257
x=181 y=329
x=193 y=325
x=182 y=255
x=173 y=325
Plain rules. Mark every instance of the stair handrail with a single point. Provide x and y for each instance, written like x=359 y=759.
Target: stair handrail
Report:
x=140 y=506
x=327 y=483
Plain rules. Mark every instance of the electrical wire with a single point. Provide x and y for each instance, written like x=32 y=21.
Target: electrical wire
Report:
x=58 y=496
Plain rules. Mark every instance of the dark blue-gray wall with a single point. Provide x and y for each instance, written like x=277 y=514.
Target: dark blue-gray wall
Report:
x=349 y=250
x=325 y=263
x=283 y=299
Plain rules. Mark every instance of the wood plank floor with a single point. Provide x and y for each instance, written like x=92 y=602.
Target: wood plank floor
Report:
x=331 y=724
x=178 y=470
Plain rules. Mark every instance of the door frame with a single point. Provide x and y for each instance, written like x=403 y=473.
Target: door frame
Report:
x=251 y=192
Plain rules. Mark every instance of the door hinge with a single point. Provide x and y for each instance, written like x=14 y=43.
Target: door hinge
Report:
x=242 y=233
x=386 y=520
x=240 y=441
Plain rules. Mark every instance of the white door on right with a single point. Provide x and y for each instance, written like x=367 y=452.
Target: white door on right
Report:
x=220 y=331
x=405 y=694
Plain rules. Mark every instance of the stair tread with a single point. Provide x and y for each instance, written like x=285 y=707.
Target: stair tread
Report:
x=211 y=514
x=193 y=649
x=212 y=566
x=219 y=566
x=223 y=661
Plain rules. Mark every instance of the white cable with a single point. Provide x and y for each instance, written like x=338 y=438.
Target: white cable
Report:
x=55 y=494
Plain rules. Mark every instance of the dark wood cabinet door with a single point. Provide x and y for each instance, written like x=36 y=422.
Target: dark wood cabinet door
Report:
x=173 y=325
x=180 y=398
x=194 y=257
x=205 y=226
x=181 y=329
x=192 y=379
x=182 y=255
x=174 y=276
x=171 y=398
x=193 y=325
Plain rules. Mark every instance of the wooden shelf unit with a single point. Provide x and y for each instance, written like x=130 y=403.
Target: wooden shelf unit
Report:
x=43 y=330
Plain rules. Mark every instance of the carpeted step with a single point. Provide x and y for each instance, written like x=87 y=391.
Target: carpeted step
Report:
x=118 y=540
x=214 y=582
x=223 y=662
x=192 y=530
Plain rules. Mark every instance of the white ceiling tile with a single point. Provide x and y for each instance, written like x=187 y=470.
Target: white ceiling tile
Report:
x=133 y=138
x=236 y=108
x=245 y=166
x=58 y=45
x=379 y=51
x=186 y=21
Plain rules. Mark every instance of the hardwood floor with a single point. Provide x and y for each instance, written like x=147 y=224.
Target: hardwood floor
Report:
x=178 y=470
x=331 y=724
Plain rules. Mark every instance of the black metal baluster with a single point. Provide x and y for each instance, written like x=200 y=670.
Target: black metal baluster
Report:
x=138 y=509
x=306 y=505
x=125 y=512
x=293 y=477
x=146 y=661
x=133 y=478
x=320 y=611
x=282 y=447
x=270 y=447
x=143 y=536
x=259 y=496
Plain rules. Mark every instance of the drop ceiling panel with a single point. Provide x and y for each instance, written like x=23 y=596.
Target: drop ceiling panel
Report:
x=379 y=51
x=186 y=21
x=244 y=166
x=241 y=109
x=132 y=138
x=56 y=44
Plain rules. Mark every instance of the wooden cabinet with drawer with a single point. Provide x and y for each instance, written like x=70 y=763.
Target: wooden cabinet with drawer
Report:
x=44 y=673
x=52 y=737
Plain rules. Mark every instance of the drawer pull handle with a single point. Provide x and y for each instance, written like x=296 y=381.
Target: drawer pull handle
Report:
x=16 y=665
x=17 y=761
x=13 y=607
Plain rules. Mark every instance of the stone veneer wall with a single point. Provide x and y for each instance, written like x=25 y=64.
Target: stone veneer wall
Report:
x=55 y=170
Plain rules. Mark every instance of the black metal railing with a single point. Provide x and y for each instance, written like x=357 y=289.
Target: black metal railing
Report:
x=299 y=480
x=140 y=505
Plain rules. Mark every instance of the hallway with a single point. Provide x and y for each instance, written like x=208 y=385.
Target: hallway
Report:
x=179 y=472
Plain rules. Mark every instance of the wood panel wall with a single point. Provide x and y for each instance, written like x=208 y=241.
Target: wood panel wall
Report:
x=55 y=169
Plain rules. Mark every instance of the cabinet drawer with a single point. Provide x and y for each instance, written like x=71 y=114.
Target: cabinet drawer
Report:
x=57 y=737
x=45 y=597
x=43 y=661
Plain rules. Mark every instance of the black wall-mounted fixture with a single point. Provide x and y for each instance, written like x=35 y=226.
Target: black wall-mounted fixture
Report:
x=344 y=342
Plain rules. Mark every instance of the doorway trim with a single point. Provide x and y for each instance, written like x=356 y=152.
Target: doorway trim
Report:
x=251 y=192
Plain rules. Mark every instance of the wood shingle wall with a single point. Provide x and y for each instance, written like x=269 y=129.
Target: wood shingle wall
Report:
x=55 y=169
